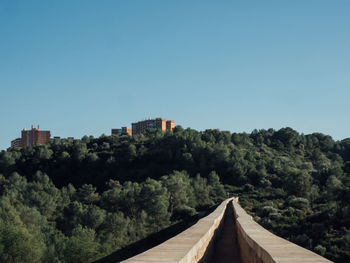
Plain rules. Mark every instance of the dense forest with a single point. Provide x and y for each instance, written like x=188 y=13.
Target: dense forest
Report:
x=80 y=200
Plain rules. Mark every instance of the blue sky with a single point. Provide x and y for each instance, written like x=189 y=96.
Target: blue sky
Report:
x=83 y=67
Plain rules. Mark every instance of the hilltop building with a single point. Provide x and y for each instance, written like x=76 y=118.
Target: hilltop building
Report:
x=158 y=123
x=35 y=136
x=16 y=143
x=141 y=126
x=31 y=137
x=122 y=130
x=170 y=125
x=58 y=138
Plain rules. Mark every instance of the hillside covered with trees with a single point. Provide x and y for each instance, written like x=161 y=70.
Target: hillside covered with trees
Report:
x=80 y=200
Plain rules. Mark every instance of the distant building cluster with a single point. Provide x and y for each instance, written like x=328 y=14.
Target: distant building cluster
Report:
x=31 y=137
x=35 y=136
x=139 y=127
x=122 y=130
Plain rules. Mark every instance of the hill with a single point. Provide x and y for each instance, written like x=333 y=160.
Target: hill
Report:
x=79 y=200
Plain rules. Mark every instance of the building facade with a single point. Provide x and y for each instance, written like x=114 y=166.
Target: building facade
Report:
x=158 y=123
x=170 y=125
x=122 y=130
x=16 y=143
x=34 y=136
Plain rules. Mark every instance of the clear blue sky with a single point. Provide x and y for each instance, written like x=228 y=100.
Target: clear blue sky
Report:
x=83 y=67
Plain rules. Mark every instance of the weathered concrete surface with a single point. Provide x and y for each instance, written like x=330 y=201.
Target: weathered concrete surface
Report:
x=226 y=248
x=259 y=245
x=192 y=245
x=241 y=240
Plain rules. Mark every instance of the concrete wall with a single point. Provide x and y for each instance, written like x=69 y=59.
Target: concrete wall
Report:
x=192 y=245
x=256 y=244
x=259 y=245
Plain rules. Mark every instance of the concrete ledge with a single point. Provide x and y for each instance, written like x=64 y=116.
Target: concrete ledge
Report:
x=192 y=245
x=257 y=245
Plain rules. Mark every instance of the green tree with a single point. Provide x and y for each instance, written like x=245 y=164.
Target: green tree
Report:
x=82 y=247
x=217 y=191
x=178 y=185
x=299 y=182
x=116 y=225
x=42 y=194
x=87 y=194
x=201 y=192
x=17 y=245
x=155 y=200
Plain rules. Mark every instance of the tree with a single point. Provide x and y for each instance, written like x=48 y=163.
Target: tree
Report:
x=299 y=182
x=82 y=246
x=217 y=191
x=17 y=245
x=87 y=194
x=155 y=200
x=116 y=225
x=178 y=184
x=201 y=192
x=42 y=194
x=287 y=136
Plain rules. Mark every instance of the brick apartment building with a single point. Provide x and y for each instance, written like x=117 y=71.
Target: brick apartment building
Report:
x=35 y=136
x=16 y=143
x=31 y=137
x=158 y=123
x=122 y=130
x=170 y=125
x=141 y=126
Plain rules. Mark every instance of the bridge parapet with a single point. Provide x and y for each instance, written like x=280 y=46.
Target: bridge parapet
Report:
x=192 y=245
x=257 y=245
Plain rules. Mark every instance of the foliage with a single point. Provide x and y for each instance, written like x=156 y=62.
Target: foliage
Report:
x=79 y=200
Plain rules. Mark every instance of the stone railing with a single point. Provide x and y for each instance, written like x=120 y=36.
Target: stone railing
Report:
x=256 y=244
x=192 y=245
